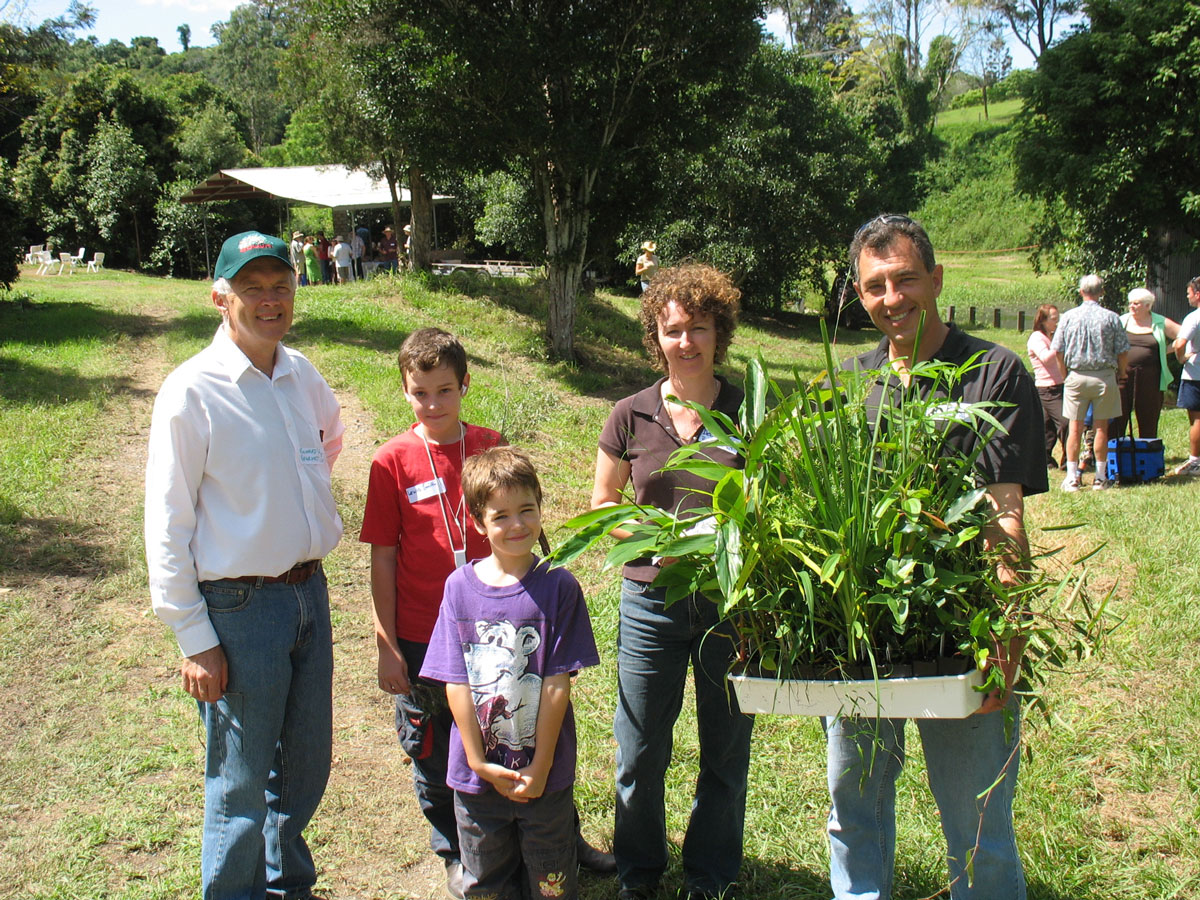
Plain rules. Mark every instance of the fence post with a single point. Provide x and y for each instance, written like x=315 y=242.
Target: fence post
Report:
x=1021 y=322
x=950 y=314
x=995 y=318
x=971 y=316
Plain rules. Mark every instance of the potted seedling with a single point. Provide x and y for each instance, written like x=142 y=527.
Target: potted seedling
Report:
x=848 y=553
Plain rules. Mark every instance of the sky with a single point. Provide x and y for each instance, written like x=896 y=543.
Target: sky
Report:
x=127 y=19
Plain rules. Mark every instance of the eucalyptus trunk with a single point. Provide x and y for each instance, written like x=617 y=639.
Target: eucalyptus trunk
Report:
x=422 y=219
x=391 y=173
x=565 y=201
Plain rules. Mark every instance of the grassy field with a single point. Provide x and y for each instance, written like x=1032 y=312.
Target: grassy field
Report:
x=998 y=113
x=100 y=751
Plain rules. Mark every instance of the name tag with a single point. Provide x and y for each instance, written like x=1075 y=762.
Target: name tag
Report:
x=431 y=488
x=312 y=456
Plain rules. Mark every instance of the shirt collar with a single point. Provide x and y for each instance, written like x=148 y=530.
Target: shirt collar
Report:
x=648 y=402
x=952 y=347
x=236 y=363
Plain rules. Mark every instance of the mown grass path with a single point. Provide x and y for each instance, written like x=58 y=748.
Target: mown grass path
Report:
x=100 y=750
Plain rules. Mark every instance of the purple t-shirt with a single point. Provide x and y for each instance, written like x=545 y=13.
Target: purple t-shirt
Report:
x=503 y=641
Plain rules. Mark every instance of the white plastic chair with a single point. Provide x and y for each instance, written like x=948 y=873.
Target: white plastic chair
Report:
x=45 y=259
x=32 y=256
x=66 y=261
x=77 y=259
x=96 y=263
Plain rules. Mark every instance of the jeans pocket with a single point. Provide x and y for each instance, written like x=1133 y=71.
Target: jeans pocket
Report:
x=226 y=598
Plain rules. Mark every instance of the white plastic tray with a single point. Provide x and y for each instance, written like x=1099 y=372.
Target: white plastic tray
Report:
x=927 y=697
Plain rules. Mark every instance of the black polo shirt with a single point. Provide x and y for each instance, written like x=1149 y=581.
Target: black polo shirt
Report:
x=1015 y=455
x=640 y=432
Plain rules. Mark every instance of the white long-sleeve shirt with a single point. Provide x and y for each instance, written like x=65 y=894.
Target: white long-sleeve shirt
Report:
x=237 y=480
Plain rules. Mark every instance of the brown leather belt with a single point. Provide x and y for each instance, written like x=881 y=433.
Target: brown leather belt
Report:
x=296 y=574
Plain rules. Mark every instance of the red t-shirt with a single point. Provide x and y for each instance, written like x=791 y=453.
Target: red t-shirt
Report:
x=403 y=510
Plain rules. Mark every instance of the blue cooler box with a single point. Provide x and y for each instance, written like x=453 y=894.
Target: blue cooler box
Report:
x=1135 y=459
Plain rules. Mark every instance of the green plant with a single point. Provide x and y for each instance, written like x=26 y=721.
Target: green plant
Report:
x=851 y=542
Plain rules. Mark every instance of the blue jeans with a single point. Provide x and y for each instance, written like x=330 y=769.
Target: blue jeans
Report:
x=269 y=738
x=654 y=646
x=963 y=758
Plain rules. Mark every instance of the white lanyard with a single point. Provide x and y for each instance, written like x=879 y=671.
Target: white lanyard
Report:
x=448 y=515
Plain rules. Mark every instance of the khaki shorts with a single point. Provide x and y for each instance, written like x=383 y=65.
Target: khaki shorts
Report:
x=1099 y=388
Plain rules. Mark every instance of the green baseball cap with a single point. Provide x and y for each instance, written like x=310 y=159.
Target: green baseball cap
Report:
x=241 y=248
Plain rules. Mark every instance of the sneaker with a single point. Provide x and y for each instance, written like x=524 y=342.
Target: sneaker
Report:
x=1190 y=467
x=1071 y=485
x=1102 y=484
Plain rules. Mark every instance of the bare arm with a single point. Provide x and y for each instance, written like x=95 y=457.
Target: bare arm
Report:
x=393 y=670
x=1171 y=327
x=462 y=707
x=552 y=709
x=612 y=475
x=1181 y=350
x=1006 y=533
x=1122 y=359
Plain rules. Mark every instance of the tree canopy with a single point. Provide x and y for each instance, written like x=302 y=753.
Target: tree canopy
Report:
x=1108 y=136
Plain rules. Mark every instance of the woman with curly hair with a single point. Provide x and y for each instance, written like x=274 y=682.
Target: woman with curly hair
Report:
x=688 y=315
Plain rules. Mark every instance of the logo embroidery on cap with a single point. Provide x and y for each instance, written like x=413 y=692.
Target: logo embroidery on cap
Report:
x=254 y=241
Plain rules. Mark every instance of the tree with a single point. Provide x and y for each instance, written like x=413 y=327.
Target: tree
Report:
x=118 y=184
x=988 y=57
x=562 y=87
x=185 y=36
x=1110 y=137
x=1033 y=22
x=773 y=196
x=249 y=47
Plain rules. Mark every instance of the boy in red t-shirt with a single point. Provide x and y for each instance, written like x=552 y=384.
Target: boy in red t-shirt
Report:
x=419 y=531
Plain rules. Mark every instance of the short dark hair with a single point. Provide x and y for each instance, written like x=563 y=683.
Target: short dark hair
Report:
x=496 y=469
x=428 y=348
x=1194 y=284
x=882 y=232
x=698 y=290
x=1043 y=313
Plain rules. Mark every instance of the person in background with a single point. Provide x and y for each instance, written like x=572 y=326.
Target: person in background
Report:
x=342 y=260
x=688 y=317
x=1094 y=349
x=296 y=251
x=357 y=250
x=239 y=514
x=646 y=265
x=1048 y=376
x=387 y=249
x=323 y=247
x=1187 y=351
x=312 y=262
x=1147 y=374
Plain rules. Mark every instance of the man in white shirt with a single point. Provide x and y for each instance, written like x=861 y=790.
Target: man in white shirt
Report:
x=239 y=514
x=1187 y=351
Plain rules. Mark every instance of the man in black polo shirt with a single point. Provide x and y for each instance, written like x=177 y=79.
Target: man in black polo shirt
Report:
x=897 y=281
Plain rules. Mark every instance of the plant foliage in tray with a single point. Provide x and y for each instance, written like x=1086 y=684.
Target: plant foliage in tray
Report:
x=850 y=544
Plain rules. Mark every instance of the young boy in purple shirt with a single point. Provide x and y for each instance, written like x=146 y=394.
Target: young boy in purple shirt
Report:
x=510 y=633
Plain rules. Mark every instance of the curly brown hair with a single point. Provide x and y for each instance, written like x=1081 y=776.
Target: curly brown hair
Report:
x=697 y=290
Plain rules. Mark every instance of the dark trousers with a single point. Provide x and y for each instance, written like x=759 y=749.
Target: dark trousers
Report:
x=1141 y=397
x=1055 y=423
x=423 y=723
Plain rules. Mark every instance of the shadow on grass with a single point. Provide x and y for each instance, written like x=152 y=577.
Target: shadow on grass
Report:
x=37 y=323
x=52 y=547
x=25 y=383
